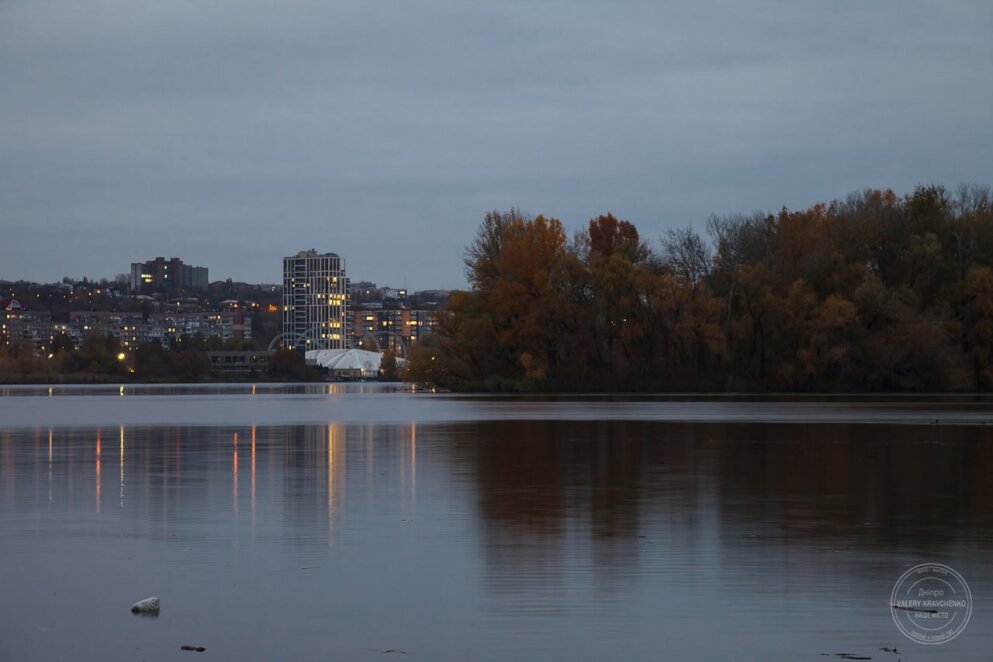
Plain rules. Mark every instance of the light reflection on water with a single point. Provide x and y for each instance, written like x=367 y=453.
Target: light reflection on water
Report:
x=510 y=539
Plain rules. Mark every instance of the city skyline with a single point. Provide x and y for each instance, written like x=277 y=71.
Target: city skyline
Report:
x=234 y=135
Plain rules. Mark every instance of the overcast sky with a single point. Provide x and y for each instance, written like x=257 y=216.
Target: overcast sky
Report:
x=230 y=133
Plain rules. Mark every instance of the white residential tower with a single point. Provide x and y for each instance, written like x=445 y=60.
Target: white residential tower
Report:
x=315 y=301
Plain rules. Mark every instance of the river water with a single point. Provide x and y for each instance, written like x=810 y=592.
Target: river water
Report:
x=320 y=522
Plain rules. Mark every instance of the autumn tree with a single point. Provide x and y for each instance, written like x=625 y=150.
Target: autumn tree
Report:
x=875 y=292
x=388 y=371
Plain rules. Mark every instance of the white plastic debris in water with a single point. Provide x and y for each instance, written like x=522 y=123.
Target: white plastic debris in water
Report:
x=146 y=606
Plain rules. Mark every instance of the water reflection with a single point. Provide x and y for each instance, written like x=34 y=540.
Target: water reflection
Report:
x=536 y=482
x=543 y=485
x=49 y=465
x=163 y=471
x=98 y=471
x=121 y=459
x=253 y=478
x=554 y=533
x=234 y=472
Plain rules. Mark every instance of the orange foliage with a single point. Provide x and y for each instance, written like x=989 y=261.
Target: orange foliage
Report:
x=875 y=292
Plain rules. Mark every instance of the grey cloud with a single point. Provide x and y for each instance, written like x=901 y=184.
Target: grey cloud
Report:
x=231 y=133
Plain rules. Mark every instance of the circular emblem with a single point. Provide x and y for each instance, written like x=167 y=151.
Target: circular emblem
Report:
x=931 y=603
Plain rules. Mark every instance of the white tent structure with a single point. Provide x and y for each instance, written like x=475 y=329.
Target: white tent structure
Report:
x=355 y=363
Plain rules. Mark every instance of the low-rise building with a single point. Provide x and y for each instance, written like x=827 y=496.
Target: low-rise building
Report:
x=247 y=364
x=134 y=329
x=18 y=324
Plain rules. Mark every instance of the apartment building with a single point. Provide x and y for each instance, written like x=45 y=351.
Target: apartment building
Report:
x=315 y=301
x=171 y=275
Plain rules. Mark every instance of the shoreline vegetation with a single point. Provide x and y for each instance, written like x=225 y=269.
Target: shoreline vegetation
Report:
x=875 y=293
x=101 y=359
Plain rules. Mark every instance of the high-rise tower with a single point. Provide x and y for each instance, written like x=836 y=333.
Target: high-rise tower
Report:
x=315 y=301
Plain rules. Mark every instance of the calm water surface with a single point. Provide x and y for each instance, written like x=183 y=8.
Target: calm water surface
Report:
x=318 y=523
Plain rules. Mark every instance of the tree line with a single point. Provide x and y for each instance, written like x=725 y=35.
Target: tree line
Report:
x=103 y=358
x=876 y=292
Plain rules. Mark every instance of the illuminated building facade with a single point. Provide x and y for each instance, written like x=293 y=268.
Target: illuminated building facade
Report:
x=19 y=325
x=38 y=330
x=315 y=301
x=394 y=329
x=133 y=329
x=170 y=275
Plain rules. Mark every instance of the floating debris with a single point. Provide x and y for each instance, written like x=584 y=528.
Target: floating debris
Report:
x=195 y=649
x=146 y=606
